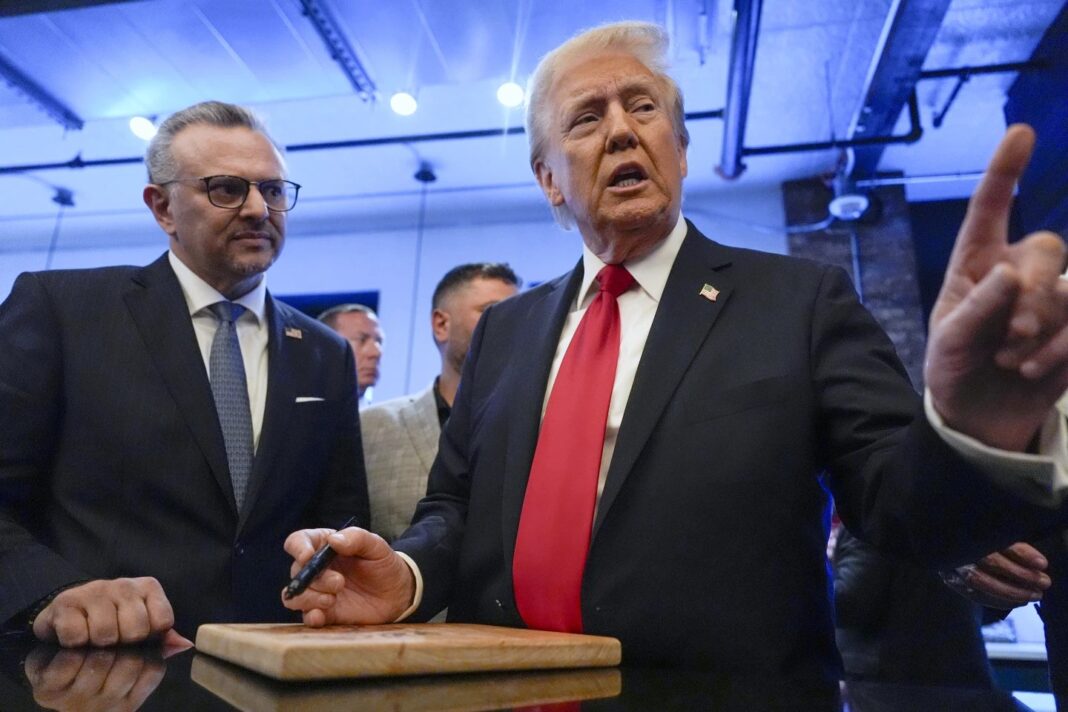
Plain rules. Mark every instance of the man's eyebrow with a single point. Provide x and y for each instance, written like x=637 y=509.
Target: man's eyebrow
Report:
x=628 y=87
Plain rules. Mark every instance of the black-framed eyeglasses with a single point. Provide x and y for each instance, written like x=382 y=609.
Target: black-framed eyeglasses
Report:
x=231 y=192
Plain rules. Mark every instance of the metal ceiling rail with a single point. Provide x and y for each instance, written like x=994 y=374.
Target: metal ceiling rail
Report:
x=40 y=96
x=982 y=69
x=341 y=51
x=79 y=162
x=912 y=136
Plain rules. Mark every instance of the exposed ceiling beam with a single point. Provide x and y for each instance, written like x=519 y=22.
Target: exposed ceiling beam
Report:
x=24 y=84
x=341 y=51
x=910 y=31
x=9 y=8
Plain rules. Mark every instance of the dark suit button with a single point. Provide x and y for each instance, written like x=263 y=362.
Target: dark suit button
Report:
x=239 y=549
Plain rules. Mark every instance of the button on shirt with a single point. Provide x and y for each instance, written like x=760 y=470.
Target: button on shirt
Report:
x=251 y=332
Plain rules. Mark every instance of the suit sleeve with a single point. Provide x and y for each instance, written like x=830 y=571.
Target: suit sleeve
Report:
x=896 y=483
x=31 y=378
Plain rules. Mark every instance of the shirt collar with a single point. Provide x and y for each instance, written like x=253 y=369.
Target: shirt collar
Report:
x=200 y=295
x=650 y=272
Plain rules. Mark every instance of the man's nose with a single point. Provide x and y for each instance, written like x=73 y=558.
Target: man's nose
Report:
x=620 y=130
x=255 y=206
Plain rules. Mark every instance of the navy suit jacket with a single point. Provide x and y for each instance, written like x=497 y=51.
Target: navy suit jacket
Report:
x=112 y=462
x=708 y=546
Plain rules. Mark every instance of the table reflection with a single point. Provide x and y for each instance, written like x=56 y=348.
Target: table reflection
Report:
x=35 y=676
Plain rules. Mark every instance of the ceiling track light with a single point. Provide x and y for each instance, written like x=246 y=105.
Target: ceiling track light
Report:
x=510 y=94
x=403 y=103
x=341 y=51
x=143 y=127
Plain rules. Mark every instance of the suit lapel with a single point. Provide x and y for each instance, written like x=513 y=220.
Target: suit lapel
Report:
x=533 y=355
x=161 y=314
x=681 y=325
x=282 y=361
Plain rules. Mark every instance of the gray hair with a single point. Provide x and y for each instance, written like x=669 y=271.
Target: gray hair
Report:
x=329 y=317
x=645 y=41
x=160 y=160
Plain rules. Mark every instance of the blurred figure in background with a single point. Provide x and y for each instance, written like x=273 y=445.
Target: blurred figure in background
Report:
x=358 y=324
x=400 y=436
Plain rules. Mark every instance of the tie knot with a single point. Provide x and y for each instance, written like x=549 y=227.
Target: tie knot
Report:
x=614 y=279
x=227 y=311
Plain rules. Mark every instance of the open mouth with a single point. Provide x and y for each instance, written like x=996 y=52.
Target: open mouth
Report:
x=627 y=176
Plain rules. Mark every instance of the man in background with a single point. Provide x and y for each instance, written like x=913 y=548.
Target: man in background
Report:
x=162 y=428
x=401 y=435
x=358 y=324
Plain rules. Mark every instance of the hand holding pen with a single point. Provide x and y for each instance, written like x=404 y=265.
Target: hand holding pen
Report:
x=315 y=566
x=365 y=583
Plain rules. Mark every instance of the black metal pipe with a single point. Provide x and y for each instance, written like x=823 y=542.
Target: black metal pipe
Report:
x=982 y=69
x=739 y=84
x=914 y=134
x=79 y=162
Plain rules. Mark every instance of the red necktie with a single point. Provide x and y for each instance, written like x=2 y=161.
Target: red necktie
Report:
x=557 y=517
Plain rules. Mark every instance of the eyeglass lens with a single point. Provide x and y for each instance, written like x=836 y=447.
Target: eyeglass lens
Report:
x=231 y=191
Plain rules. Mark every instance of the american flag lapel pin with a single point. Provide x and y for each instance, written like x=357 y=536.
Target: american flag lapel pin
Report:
x=294 y=333
x=709 y=292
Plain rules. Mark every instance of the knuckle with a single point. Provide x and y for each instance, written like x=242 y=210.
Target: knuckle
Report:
x=70 y=632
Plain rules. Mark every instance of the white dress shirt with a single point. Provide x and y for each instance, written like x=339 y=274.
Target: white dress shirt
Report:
x=637 y=307
x=251 y=332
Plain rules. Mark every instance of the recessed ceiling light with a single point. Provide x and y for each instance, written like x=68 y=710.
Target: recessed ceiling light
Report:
x=510 y=94
x=403 y=103
x=142 y=128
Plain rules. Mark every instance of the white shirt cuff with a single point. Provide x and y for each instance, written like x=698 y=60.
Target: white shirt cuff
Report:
x=1040 y=478
x=418 y=597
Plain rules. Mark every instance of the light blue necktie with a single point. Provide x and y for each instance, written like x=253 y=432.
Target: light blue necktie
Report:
x=230 y=389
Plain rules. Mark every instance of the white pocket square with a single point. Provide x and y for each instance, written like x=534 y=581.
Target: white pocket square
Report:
x=309 y=399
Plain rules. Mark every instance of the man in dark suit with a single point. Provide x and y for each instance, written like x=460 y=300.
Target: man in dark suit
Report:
x=744 y=386
x=140 y=490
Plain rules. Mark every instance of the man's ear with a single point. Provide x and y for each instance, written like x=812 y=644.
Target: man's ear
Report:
x=682 y=159
x=440 y=323
x=548 y=185
x=158 y=201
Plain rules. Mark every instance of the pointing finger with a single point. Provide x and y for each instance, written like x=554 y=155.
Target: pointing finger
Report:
x=985 y=228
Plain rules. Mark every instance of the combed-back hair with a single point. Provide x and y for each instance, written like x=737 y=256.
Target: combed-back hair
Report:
x=159 y=158
x=329 y=317
x=645 y=41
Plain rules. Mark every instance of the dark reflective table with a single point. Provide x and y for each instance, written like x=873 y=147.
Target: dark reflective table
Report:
x=35 y=677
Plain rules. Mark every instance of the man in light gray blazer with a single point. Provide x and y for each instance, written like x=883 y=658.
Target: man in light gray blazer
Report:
x=400 y=436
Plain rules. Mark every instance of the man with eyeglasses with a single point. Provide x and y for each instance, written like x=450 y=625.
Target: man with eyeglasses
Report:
x=163 y=428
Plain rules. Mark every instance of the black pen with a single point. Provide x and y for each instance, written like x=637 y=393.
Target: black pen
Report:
x=314 y=567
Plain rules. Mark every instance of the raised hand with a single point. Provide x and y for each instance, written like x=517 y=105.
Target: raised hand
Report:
x=997 y=357
x=366 y=583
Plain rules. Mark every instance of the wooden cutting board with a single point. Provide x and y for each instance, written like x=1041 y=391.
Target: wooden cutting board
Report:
x=476 y=692
x=294 y=652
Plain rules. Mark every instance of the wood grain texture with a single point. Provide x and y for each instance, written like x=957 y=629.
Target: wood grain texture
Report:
x=294 y=652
